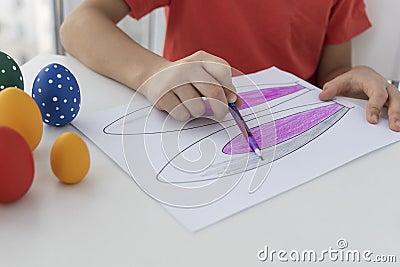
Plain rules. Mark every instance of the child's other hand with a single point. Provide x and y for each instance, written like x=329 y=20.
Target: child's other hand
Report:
x=365 y=83
x=178 y=87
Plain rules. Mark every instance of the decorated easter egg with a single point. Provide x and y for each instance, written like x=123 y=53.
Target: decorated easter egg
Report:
x=70 y=158
x=10 y=73
x=56 y=92
x=20 y=112
x=16 y=165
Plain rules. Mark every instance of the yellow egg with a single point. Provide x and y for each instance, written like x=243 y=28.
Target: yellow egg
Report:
x=70 y=158
x=20 y=112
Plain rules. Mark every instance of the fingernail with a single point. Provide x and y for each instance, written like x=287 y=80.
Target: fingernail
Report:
x=398 y=123
x=232 y=98
x=374 y=118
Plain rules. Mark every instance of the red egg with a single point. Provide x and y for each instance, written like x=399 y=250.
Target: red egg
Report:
x=16 y=165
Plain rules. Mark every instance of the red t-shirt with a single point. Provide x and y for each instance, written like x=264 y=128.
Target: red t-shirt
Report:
x=254 y=34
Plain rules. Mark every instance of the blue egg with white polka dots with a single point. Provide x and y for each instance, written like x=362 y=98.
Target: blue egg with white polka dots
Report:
x=56 y=92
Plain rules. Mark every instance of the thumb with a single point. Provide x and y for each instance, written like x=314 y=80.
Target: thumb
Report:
x=333 y=88
x=329 y=91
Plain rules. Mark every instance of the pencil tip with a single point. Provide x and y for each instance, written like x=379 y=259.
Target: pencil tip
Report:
x=258 y=153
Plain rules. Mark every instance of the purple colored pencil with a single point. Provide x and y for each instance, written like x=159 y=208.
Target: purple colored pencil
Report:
x=253 y=145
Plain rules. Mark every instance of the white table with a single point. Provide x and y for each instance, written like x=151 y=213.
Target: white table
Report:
x=106 y=220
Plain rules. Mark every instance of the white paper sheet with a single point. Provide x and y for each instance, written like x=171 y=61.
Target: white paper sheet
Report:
x=200 y=178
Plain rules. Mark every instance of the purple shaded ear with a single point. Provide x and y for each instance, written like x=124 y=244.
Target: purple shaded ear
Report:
x=258 y=97
x=284 y=129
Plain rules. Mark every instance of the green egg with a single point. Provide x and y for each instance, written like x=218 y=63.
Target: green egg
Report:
x=10 y=73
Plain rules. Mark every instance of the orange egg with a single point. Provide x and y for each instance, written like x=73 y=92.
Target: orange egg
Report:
x=20 y=112
x=70 y=158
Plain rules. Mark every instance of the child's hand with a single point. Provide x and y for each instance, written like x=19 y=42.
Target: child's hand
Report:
x=364 y=83
x=178 y=87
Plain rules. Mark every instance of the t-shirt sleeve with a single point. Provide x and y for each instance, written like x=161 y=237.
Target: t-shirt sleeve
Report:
x=139 y=8
x=348 y=19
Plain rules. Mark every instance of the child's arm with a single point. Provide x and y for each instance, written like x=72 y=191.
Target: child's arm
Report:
x=337 y=77
x=90 y=34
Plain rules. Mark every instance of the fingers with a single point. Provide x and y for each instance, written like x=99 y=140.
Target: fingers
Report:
x=394 y=108
x=216 y=97
x=354 y=83
x=343 y=85
x=188 y=80
x=219 y=72
x=329 y=91
x=186 y=100
x=207 y=86
x=173 y=105
x=365 y=83
x=191 y=99
x=232 y=97
x=377 y=99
